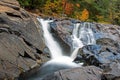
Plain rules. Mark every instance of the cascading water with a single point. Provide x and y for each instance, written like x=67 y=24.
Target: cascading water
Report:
x=59 y=61
x=86 y=34
x=75 y=37
x=82 y=35
x=50 y=42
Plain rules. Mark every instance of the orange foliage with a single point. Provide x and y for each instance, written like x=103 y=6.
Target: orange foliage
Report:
x=85 y=15
x=68 y=7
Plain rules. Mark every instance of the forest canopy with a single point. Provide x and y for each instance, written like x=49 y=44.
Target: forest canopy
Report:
x=105 y=11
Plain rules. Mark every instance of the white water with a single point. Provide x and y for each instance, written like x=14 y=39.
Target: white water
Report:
x=58 y=61
x=76 y=42
x=82 y=35
x=86 y=34
x=55 y=50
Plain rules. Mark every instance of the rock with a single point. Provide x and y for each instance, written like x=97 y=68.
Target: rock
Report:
x=21 y=43
x=107 y=47
x=83 y=73
x=109 y=31
x=10 y=3
x=64 y=28
x=21 y=46
x=60 y=36
x=113 y=71
x=104 y=52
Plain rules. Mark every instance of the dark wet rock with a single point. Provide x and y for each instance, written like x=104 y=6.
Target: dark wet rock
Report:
x=83 y=73
x=21 y=42
x=59 y=36
x=104 y=52
x=64 y=30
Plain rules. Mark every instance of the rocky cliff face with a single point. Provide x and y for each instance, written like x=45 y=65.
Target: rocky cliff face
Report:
x=21 y=42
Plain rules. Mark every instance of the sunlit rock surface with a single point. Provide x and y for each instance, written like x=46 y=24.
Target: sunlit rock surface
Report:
x=21 y=44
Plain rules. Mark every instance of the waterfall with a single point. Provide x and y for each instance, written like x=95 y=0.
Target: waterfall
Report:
x=86 y=34
x=55 y=50
x=82 y=35
x=76 y=42
x=59 y=61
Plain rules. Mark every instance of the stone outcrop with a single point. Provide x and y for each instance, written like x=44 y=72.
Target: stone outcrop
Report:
x=103 y=54
x=83 y=73
x=21 y=42
x=64 y=28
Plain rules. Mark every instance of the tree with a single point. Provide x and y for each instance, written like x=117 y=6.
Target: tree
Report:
x=91 y=10
x=85 y=15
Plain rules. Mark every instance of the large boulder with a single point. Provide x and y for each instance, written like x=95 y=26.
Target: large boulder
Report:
x=63 y=29
x=60 y=31
x=21 y=42
x=83 y=73
x=104 y=51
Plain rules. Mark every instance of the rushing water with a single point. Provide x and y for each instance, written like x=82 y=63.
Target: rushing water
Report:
x=55 y=50
x=82 y=35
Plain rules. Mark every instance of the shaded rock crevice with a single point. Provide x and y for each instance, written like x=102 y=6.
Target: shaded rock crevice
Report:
x=13 y=15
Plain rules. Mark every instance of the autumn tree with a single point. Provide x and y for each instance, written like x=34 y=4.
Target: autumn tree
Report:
x=90 y=10
x=67 y=7
x=85 y=15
